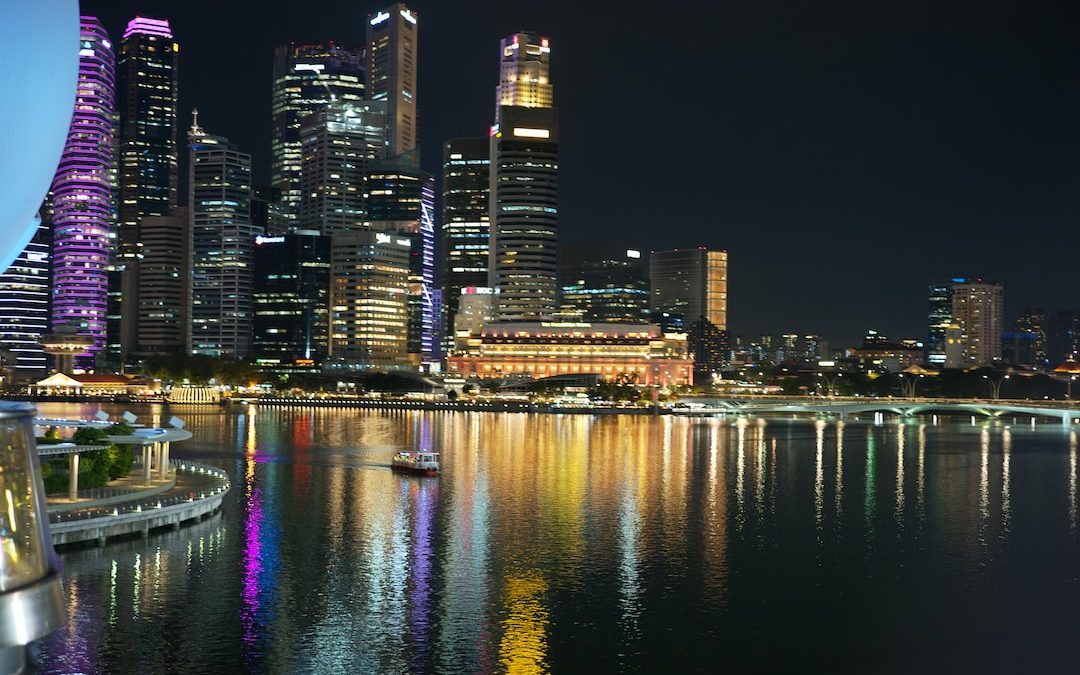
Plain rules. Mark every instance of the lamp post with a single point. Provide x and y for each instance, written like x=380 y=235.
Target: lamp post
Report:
x=31 y=601
x=995 y=385
x=1068 y=387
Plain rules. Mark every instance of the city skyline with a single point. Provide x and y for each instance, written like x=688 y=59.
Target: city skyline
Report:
x=812 y=183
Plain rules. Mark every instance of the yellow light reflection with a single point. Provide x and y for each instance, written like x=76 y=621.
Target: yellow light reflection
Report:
x=523 y=648
x=839 y=471
x=1006 y=502
x=1072 y=481
x=900 y=473
x=819 y=476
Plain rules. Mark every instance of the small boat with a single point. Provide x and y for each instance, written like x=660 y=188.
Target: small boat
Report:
x=421 y=463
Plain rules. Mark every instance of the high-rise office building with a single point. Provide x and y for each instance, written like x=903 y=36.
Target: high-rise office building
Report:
x=24 y=309
x=337 y=144
x=693 y=283
x=939 y=319
x=465 y=226
x=306 y=78
x=1062 y=337
x=978 y=309
x=1025 y=344
x=369 y=319
x=524 y=73
x=81 y=199
x=164 y=320
x=609 y=291
x=524 y=183
x=401 y=201
x=392 y=43
x=222 y=240
x=147 y=91
x=291 y=300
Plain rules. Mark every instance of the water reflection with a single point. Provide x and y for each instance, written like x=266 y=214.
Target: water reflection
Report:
x=569 y=543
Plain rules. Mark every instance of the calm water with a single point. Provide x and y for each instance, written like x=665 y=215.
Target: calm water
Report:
x=579 y=544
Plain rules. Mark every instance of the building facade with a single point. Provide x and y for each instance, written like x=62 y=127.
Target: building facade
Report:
x=392 y=43
x=524 y=73
x=978 y=309
x=611 y=290
x=147 y=94
x=291 y=292
x=337 y=144
x=164 y=320
x=693 y=283
x=369 y=285
x=222 y=239
x=24 y=310
x=635 y=353
x=939 y=319
x=306 y=79
x=465 y=226
x=82 y=201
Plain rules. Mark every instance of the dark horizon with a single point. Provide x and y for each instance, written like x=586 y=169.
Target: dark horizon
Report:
x=845 y=156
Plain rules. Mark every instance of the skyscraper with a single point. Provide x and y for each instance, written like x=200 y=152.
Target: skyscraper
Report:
x=147 y=85
x=24 y=309
x=368 y=300
x=465 y=226
x=940 y=319
x=392 y=43
x=401 y=201
x=81 y=199
x=524 y=73
x=306 y=78
x=337 y=144
x=608 y=291
x=978 y=309
x=693 y=283
x=222 y=240
x=164 y=319
x=290 y=299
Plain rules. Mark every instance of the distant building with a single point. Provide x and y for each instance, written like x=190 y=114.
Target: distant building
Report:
x=1063 y=336
x=222 y=240
x=693 y=283
x=290 y=298
x=524 y=73
x=634 y=353
x=465 y=226
x=978 y=309
x=306 y=79
x=475 y=308
x=612 y=290
x=392 y=44
x=369 y=317
x=164 y=321
x=878 y=353
x=1025 y=344
x=939 y=318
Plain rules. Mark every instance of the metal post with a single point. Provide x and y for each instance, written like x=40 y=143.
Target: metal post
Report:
x=73 y=476
x=146 y=464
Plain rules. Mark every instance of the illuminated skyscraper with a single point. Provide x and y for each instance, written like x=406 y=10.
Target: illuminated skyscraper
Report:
x=81 y=199
x=606 y=291
x=524 y=73
x=401 y=201
x=940 y=319
x=24 y=309
x=306 y=78
x=337 y=144
x=693 y=283
x=392 y=43
x=978 y=309
x=291 y=289
x=465 y=227
x=147 y=99
x=222 y=240
x=524 y=182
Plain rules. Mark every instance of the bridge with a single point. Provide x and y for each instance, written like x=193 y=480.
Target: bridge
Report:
x=844 y=408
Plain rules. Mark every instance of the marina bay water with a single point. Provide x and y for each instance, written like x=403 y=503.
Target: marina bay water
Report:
x=576 y=543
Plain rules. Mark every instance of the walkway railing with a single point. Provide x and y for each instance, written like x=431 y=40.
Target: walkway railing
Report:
x=218 y=482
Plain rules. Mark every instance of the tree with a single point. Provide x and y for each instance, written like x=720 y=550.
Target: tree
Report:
x=451 y=395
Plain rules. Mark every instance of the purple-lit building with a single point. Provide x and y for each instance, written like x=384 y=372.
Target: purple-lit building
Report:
x=81 y=198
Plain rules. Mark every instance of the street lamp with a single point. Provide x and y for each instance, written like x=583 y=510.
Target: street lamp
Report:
x=1068 y=386
x=31 y=601
x=995 y=385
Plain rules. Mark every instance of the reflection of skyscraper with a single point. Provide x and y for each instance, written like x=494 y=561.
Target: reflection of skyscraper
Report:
x=82 y=198
x=147 y=86
x=306 y=78
x=392 y=44
x=222 y=240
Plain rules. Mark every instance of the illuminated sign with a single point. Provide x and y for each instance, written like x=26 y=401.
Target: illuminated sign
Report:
x=403 y=242
x=526 y=132
x=479 y=290
x=379 y=18
x=260 y=240
x=315 y=67
x=455 y=155
x=631 y=253
x=408 y=16
x=382 y=238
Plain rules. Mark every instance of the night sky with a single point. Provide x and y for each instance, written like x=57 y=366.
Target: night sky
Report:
x=845 y=153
